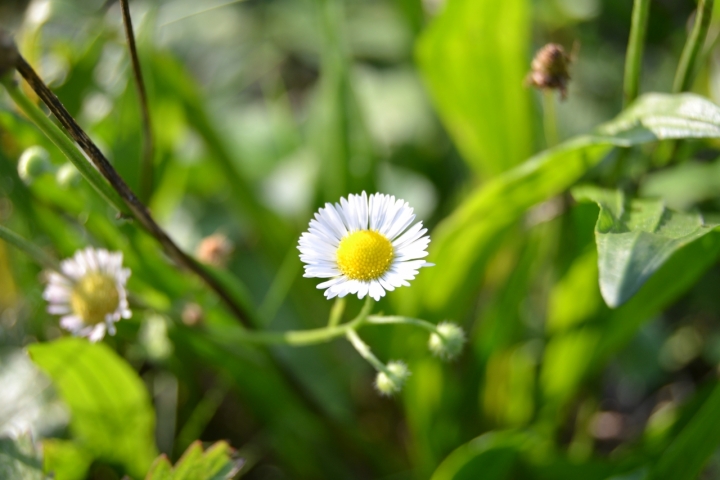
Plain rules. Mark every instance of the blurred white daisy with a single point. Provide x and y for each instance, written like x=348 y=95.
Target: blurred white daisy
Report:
x=90 y=293
x=360 y=246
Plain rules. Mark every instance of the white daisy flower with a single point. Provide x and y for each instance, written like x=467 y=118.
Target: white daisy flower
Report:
x=360 y=246
x=90 y=293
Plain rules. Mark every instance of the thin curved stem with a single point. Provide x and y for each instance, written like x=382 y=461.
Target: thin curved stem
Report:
x=336 y=312
x=29 y=249
x=146 y=169
x=636 y=43
x=687 y=68
x=364 y=350
x=297 y=338
x=398 y=320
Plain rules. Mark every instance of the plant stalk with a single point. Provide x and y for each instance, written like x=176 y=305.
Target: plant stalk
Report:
x=636 y=43
x=688 y=66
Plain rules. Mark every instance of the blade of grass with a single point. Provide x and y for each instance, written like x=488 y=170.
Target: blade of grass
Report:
x=28 y=248
x=636 y=43
x=146 y=171
x=687 y=68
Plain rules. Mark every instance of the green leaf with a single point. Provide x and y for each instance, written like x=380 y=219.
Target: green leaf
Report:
x=112 y=417
x=463 y=242
x=634 y=239
x=475 y=71
x=18 y=459
x=65 y=460
x=691 y=449
x=213 y=464
x=492 y=456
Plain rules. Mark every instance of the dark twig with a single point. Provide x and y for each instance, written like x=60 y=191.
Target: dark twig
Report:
x=146 y=170
x=9 y=56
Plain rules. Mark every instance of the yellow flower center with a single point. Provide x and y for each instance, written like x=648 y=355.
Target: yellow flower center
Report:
x=364 y=255
x=93 y=297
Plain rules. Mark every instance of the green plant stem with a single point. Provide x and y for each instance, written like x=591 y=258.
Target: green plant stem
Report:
x=336 y=312
x=296 y=338
x=28 y=248
x=364 y=350
x=397 y=320
x=549 y=118
x=65 y=145
x=636 y=43
x=687 y=68
x=146 y=169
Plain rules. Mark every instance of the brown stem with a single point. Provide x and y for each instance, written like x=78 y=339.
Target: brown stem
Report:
x=10 y=57
x=146 y=172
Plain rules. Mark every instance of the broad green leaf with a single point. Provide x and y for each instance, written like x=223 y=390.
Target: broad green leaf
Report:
x=634 y=238
x=215 y=463
x=112 y=417
x=474 y=70
x=465 y=240
x=65 y=460
x=18 y=459
x=691 y=449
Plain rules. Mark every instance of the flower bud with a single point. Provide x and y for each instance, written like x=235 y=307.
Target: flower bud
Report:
x=447 y=340
x=392 y=382
x=67 y=175
x=34 y=162
x=550 y=69
x=215 y=250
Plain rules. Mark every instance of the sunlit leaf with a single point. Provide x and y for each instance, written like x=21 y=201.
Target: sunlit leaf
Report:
x=475 y=71
x=634 y=238
x=465 y=240
x=112 y=417
x=215 y=463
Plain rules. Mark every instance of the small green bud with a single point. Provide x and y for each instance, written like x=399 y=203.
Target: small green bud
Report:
x=447 y=340
x=34 y=162
x=67 y=175
x=392 y=382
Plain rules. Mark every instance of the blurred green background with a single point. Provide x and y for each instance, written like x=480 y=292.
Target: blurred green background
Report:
x=262 y=111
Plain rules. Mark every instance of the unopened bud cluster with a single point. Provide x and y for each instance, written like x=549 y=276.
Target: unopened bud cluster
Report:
x=391 y=381
x=447 y=340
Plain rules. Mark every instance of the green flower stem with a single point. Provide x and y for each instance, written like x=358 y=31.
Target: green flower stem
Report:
x=65 y=145
x=397 y=320
x=365 y=352
x=633 y=58
x=550 y=119
x=336 y=312
x=28 y=248
x=296 y=338
x=687 y=67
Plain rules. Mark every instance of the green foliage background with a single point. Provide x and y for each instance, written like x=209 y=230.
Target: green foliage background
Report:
x=593 y=333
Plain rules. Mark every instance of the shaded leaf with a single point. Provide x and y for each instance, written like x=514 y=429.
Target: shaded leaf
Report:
x=691 y=449
x=112 y=417
x=634 y=238
x=18 y=459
